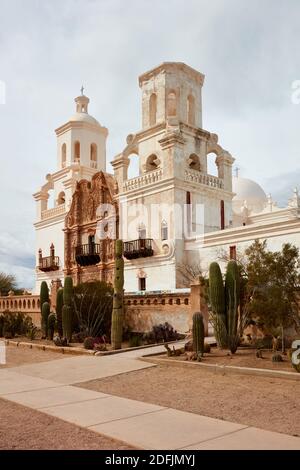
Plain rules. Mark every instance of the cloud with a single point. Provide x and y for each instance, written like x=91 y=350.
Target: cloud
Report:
x=247 y=50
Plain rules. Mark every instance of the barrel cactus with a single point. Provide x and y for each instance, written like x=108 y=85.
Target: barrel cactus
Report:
x=45 y=315
x=51 y=325
x=198 y=333
x=59 y=307
x=118 y=301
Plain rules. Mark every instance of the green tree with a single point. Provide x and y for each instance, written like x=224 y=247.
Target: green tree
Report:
x=274 y=282
x=7 y=283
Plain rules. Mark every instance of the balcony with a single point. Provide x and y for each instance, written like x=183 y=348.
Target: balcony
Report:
x=87 y=255
x=49 y=263
x=140 y=248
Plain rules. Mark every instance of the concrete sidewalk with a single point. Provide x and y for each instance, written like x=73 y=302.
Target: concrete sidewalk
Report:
x=47 y=387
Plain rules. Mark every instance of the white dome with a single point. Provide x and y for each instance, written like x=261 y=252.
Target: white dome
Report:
x=249 y=192
x=84 y=117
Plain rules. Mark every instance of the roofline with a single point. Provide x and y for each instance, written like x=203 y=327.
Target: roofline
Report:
x=170 y=67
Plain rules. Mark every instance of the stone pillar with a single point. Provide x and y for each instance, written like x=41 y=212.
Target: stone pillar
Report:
x=198 y=303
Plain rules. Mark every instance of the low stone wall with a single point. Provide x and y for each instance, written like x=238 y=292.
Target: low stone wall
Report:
x=28 y=304
x=142 y=312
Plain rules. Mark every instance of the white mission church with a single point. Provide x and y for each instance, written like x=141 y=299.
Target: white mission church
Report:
x=172 y=149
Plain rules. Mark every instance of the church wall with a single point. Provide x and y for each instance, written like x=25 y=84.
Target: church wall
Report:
x=160 y=274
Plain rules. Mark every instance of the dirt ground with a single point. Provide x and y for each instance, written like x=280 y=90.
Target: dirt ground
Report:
x=19 y=355
x=265 y=403
x=24 y=428
x=244 y=357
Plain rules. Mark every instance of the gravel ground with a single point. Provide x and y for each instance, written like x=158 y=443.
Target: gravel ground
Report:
x=19 y=355
x=265 y=403
x=24 y=428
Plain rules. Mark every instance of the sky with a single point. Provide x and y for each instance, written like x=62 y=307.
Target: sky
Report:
x=248 y=51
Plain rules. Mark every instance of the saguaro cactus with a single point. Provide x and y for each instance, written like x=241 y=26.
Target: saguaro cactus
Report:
x=59 y=307
x=44 y=294
x=198 y=333
x=68 y=291
x=67 y=322
x=217 y=300
x=232 y=297
x=51 y=325
x=45 y=315
x=118 y=300
x=67 y=310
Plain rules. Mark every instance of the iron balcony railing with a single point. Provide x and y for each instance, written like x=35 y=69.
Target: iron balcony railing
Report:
x=87 y=254
x=49 y=263
x=140 y=248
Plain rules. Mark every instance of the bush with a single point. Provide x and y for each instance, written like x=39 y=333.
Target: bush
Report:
x=93 y=308
x=12 y=324
x=264 y=343
x=89 y=342
x=135 y=341
x=162 y=333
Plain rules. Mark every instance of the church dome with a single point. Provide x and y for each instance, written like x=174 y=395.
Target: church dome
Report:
x=247 y=192
x=84 y=117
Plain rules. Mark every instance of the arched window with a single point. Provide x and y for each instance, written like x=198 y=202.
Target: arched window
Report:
x=152 y=163
x=191 y=110
x=77 y=151
x=194 y=162
x=171 y=104
x=152 y=109
x=93 y=156
x=61 y=198
x=164 y=230
x=63 y=155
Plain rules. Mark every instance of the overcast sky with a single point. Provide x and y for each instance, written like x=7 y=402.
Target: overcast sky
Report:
x=248 y=51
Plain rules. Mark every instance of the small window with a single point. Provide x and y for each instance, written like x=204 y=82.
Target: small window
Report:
x=164 y=230
x=142 y=283
x=171 y=104
x=222 y=214
x=63 y=155
x=93 y=156
x=61 y=198
x=77 y=151
x=232 y=252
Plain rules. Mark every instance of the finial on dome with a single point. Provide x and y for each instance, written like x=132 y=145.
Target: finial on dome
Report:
x=81 y=89
x=237 y=169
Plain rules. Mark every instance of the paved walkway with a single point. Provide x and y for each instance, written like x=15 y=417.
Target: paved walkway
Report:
x=47 y=387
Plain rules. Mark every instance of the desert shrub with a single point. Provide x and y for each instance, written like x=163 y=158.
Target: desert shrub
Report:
x=32 y=332
x=12 y=324
x=277 y=357
x=93 y=308
x=78 y=337
x=135 y=341
x=89 y=342
x=162 y=333
x=264 y=343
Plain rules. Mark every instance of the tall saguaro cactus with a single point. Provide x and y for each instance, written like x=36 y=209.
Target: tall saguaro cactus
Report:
x=44 y=293
x=45 y=315
x=198 y=333
x=217 y=301
x=59 y=307
x=118 y=299
x=232 y=296
x=67 y=311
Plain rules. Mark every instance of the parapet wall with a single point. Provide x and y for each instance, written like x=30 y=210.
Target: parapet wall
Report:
x=28 y=304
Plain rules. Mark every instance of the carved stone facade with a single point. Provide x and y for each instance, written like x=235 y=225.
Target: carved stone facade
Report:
x=93 y=203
